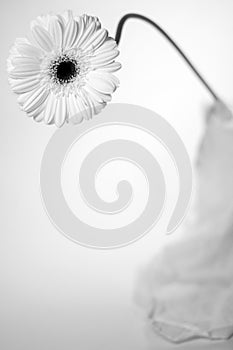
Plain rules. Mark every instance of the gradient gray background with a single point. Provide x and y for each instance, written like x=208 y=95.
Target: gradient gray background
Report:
x=54 y=294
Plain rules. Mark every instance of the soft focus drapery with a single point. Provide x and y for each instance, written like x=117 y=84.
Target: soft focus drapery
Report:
x=187 y=291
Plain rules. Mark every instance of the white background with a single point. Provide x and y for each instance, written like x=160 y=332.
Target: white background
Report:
x=54 y=294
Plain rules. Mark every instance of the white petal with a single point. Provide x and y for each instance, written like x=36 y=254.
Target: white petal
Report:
x=71 y=33
x=86 y=34
x=19 y=41
x=50 y=109
x=42 y=21
x=110 y=68
x=83 y=108
x=93 y=106
x=97 y=95
x=9 y=65
x=61 y=111
x=36 y=99
x=86 y=19
x=104 y=58
x=26 y=68
x=98 y=24
x=102 y=82
x=29 y=50
x=56 y=31
x=22 y=60
x=88 y=105
x=96 y=40
x=26 y=74
x=20 y=86
x=62 y=21
x=22 y=71
x=80 y=30
x=37 y=114
x=22 y=98
x=106 y=76
x=110 y=76
x=42 y=38
x=67 y=15
x=75 y=116
x=108 y=45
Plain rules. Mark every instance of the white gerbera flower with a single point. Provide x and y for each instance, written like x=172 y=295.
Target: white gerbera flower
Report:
x=63 y=71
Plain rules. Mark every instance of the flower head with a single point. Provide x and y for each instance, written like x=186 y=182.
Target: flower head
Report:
x=63 y=71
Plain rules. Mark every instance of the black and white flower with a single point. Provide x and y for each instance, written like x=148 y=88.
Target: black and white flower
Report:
x=64 y=70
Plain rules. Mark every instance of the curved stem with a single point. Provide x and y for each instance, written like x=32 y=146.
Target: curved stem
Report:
x=155 y=25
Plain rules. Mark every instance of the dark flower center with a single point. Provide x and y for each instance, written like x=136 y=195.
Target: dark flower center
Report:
x=66 y=71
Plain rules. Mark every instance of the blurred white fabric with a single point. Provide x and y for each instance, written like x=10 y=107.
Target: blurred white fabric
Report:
x=187 y=291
